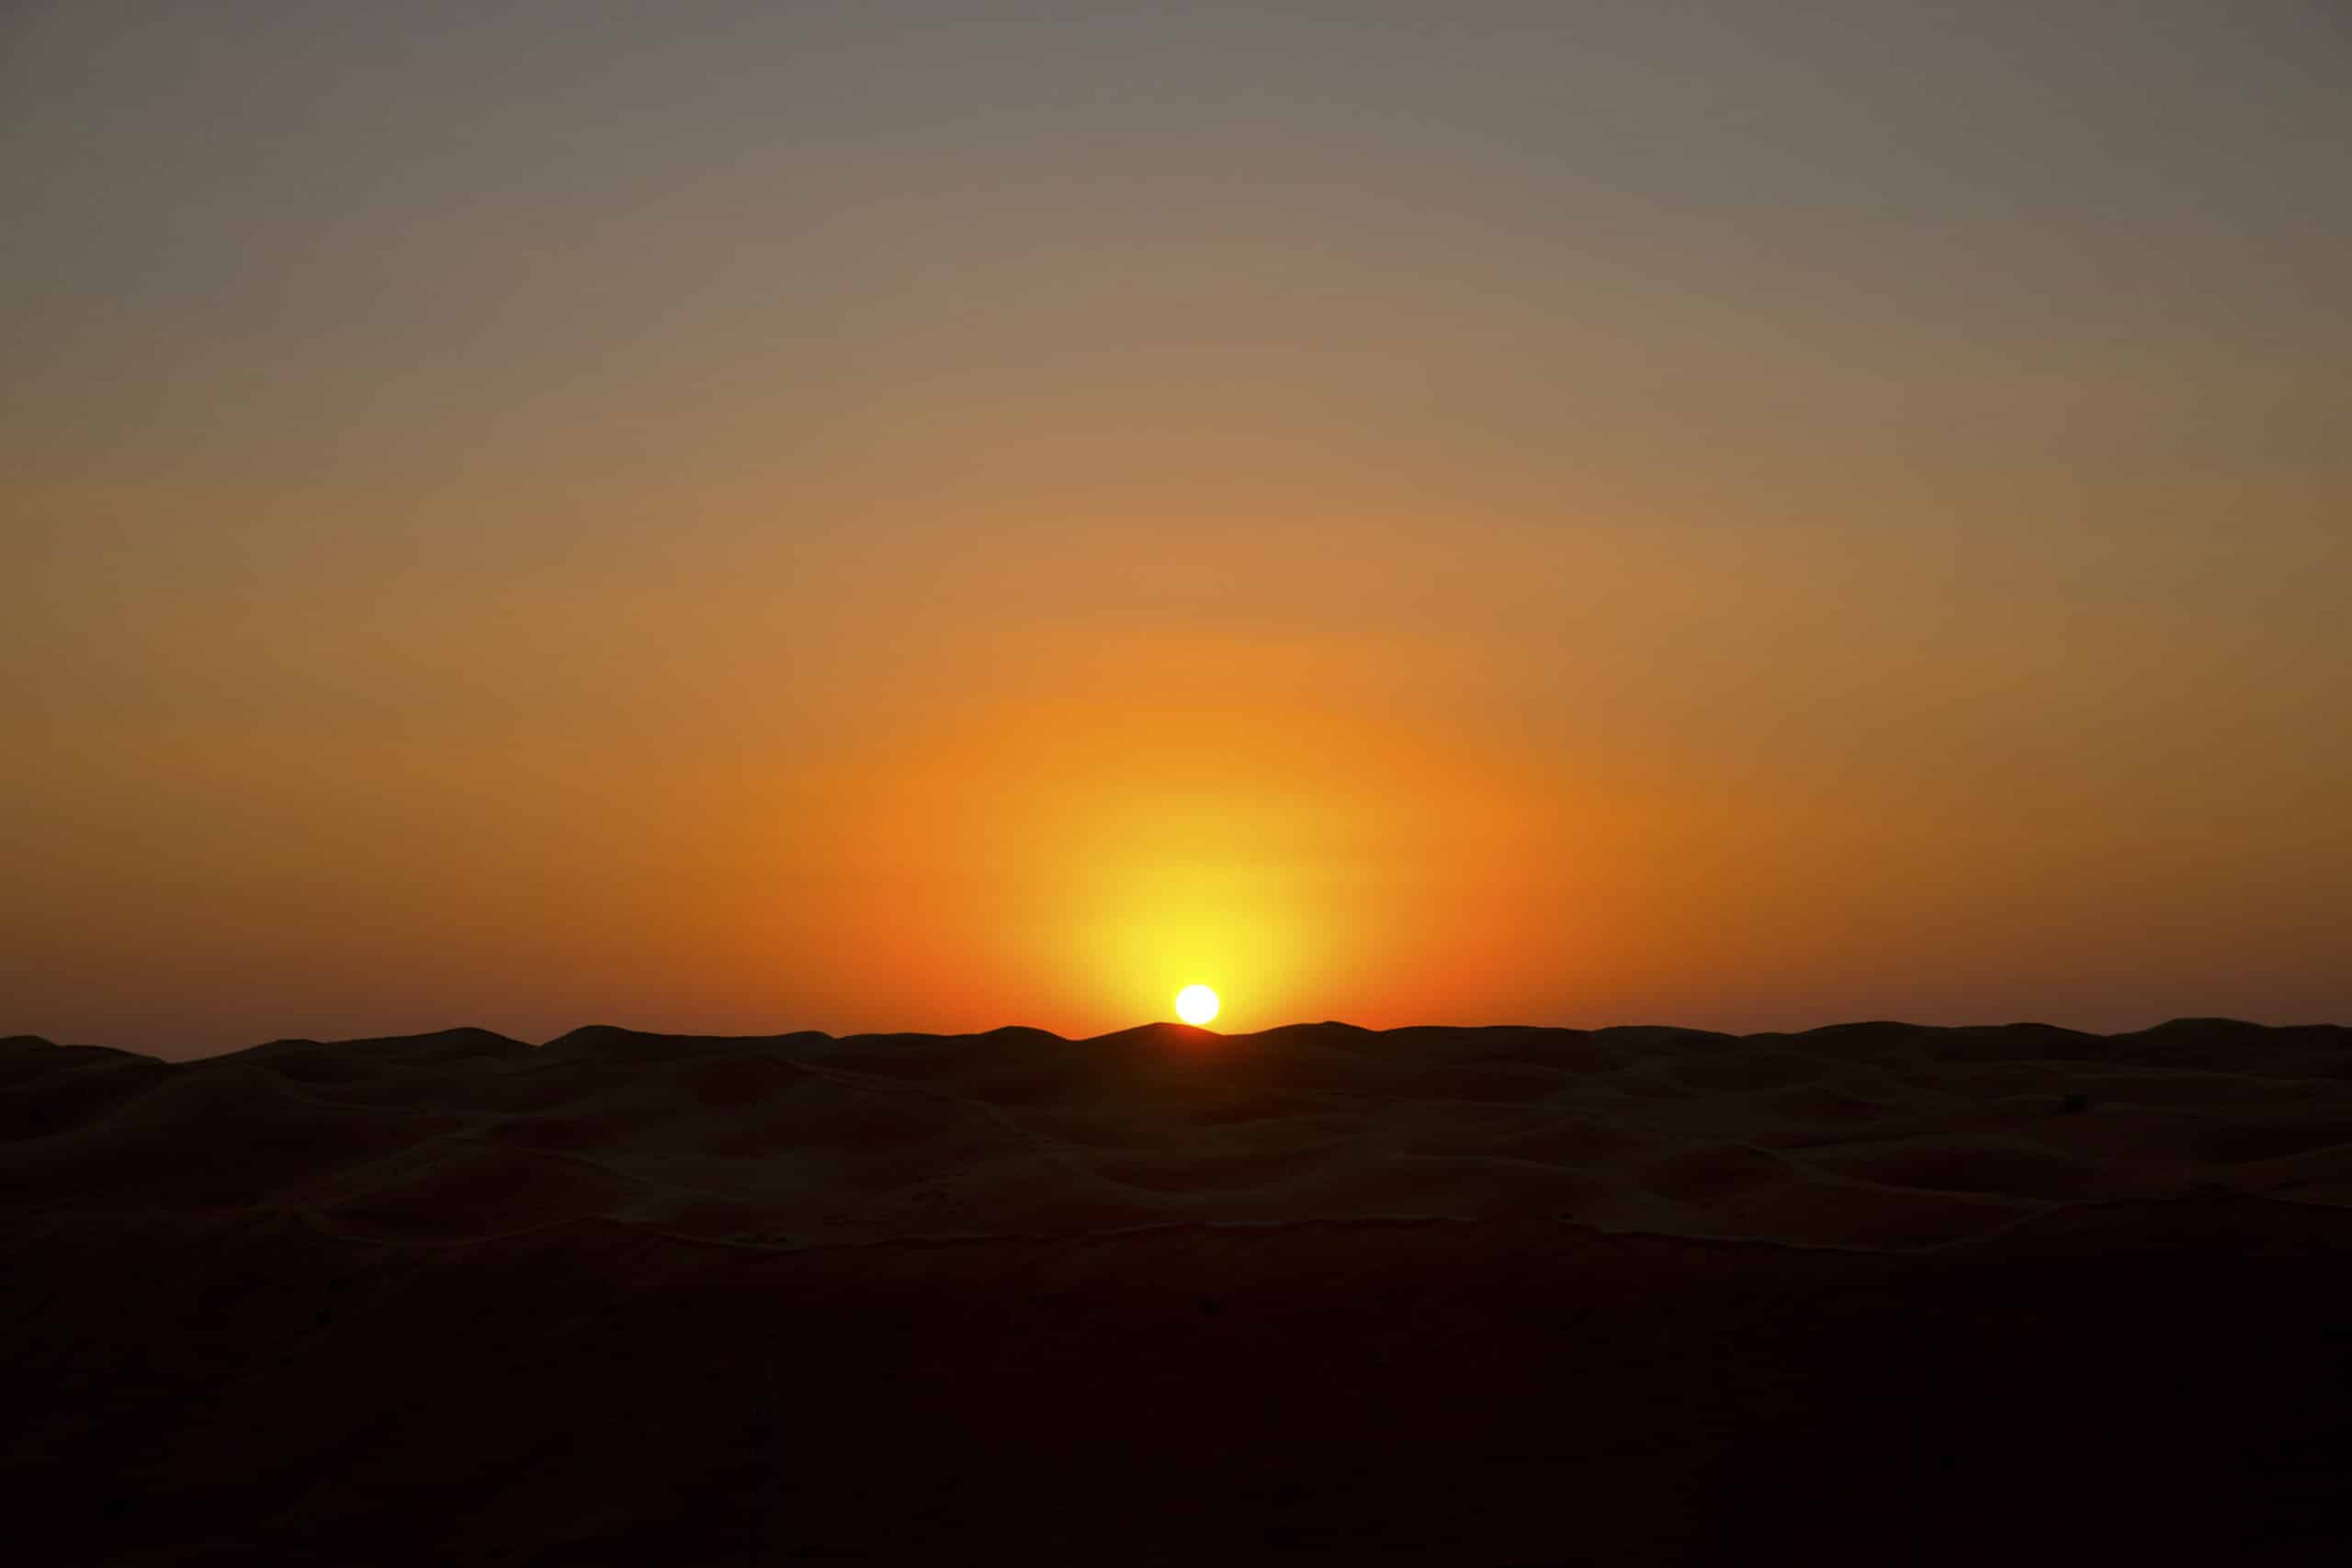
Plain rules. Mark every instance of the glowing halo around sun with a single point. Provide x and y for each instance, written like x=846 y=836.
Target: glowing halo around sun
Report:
x=1196 y=1005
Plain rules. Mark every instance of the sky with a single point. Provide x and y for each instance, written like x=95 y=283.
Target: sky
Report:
x=730 y=518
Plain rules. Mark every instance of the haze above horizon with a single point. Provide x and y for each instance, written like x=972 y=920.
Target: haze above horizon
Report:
x=902 y=515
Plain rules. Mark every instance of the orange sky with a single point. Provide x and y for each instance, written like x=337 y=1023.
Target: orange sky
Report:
x=816 y=521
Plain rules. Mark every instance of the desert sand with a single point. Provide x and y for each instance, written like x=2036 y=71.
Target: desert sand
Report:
x=1867 y=1294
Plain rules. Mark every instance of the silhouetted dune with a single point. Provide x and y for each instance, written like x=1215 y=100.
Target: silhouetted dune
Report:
x=814 y=1139
x=1379 y=1296
x=47 y=1089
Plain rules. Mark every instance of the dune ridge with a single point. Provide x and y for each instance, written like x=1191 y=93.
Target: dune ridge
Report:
x=1875 y=1135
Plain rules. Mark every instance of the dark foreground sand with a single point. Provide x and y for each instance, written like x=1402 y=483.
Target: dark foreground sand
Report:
x=1868 y=1295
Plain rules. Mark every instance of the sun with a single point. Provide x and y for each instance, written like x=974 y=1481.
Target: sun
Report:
x=1196 y=1005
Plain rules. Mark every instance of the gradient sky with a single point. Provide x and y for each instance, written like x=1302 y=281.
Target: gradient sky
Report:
x=738 y=517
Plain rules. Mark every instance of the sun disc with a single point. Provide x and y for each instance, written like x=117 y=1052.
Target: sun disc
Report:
x=1196 y=1005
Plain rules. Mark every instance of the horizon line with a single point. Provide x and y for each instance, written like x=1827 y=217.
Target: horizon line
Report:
x=1163 y=1026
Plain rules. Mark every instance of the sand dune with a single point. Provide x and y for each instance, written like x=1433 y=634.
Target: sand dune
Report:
x=1861 y=1135
x=1865 y=1294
